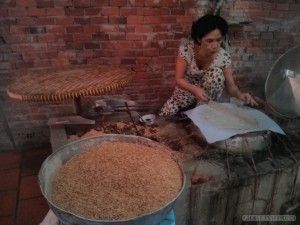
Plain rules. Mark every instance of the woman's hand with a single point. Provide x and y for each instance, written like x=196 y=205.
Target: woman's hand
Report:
x=247 y=99
x=200 y=95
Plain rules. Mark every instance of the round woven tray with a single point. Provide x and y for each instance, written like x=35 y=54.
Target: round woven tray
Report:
x=69 y=83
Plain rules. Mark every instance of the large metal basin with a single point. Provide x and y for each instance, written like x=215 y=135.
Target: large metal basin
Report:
x=57 y=159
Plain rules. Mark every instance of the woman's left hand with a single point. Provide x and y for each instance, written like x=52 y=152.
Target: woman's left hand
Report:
x=247 y=99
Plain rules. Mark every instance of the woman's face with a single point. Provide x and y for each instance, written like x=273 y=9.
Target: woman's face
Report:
x=212 y=41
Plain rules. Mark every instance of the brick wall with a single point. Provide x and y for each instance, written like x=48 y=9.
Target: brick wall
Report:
x=139 y=34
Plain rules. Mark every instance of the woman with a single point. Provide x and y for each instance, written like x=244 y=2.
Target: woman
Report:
x=203 y=68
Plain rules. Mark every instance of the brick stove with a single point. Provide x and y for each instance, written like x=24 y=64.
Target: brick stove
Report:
x=222 y=187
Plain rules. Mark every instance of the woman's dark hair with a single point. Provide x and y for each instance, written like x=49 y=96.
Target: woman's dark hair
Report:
x=206 y=24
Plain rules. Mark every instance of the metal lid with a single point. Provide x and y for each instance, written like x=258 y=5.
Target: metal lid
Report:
x=282 y=87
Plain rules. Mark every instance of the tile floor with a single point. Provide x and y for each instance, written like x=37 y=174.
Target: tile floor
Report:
x=21 y=201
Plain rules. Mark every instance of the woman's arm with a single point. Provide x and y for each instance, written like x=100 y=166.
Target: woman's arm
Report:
x=234 y=91
x=181 y=67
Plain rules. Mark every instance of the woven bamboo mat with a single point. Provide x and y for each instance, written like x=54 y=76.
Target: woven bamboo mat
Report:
x=68 y=83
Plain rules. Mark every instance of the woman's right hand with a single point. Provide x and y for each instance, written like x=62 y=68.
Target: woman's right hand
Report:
x=200 y=95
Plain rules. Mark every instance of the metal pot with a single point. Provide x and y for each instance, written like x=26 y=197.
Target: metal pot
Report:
x=239 y=144
x=56 y=160
x=245 y=143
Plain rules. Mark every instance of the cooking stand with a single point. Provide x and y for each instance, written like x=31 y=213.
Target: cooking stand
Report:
x=71 y=82
x=68 y=83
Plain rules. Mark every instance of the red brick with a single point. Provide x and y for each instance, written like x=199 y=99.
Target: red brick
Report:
x=128 y=11
x=82 y=37
x=111 y=11
x=164 y=36
x=161 y=12
x=29 y=187
x=8 y=21
x=64 y=21
x=37 y=30
x=143 y=29
x=45 y=3
x=56 y=46
x=100 y=37
x=123 y=53
x=55 y=29
x=177 y=11
x=102 y=53
x=128 y=61
x=3 y=12
x=91 y=28
x=145 y=11
x=91 y=45
x=74 y=12
x=188 y=4
x=167 y=52
x=17 y=38
x=135 y=20
x=60 y=62
x=49 y=54
x=117 y=36
x=66 y=54
x=30 y=55
x=152 y=20
x=17 y=12
x=134 y=37
x=136 y=3
x=150 y=52
x=82 y=20
x=279 y=6
x=161 y=3
x=260 y=43
x=55 y=12
x=36 y=12
x=41 y=63
x=267 y=35
x=9 y=4
x=100 y=3
x=12 y=56
x=8 y=201
x=109 y=28
x=120 y=45
x=65 y=37
x=26 y=3
x=99 y=20
x=74 y=46
x=81 y=3
x=32 y=211
x=9 y=220
x=78 y=61
x=121 y=3
x=91 y=11
x=44 y=21
x=74 y=29
x=117 y=20
x=24 y=64
x=184 y=19
x=9 y=179
x=85 y=54
x=47 y=38
x=6 y=66
x=63 y=3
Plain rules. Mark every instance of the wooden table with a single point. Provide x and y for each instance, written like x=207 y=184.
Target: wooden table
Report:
x=71 y=82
